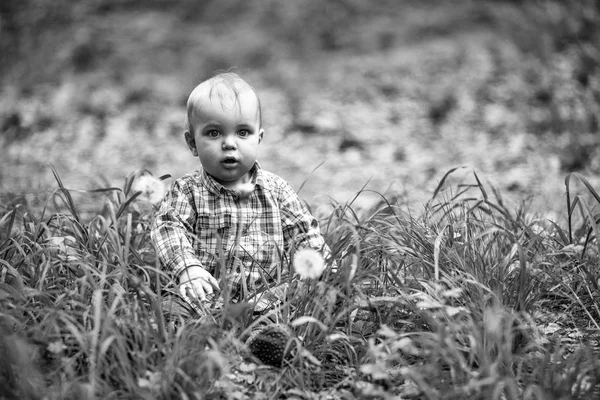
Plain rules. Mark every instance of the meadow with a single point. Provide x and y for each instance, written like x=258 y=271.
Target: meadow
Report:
x=450 y=154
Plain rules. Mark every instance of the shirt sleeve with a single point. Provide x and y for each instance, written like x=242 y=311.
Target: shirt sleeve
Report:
x=298 y=224
x=172 y=229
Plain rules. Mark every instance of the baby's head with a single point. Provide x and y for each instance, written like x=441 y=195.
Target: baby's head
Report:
x=225 y=128
x=226 y=88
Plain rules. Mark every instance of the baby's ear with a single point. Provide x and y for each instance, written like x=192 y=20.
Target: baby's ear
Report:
x=191 y=142
x=261 y=134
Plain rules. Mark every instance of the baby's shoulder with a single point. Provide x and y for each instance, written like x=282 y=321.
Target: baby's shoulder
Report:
x=191 y=178
x=189 y=185
x=273 y=181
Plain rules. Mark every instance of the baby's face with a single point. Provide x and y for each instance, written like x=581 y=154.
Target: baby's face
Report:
x=226 y=135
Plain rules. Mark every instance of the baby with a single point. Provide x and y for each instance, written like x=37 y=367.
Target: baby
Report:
x=230 y=215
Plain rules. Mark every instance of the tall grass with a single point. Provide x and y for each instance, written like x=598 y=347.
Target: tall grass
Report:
x=451 y=303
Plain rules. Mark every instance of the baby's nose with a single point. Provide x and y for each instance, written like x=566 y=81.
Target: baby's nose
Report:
x=229 y=142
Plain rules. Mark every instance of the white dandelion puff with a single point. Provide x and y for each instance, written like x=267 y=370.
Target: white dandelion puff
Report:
x=309 y=263
x=245 y=190
x=153 y=189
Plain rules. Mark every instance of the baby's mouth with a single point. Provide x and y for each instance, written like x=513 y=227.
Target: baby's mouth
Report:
x=229 y=160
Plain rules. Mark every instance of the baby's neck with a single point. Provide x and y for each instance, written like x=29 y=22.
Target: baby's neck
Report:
x=242 y=184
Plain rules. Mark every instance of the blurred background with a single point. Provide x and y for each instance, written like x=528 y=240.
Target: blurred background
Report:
x=385 y=95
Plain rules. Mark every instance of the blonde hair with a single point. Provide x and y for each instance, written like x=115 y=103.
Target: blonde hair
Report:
x=230 y=81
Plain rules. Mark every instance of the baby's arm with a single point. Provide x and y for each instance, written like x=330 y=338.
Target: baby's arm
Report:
x=171 y=232
x=299 y=226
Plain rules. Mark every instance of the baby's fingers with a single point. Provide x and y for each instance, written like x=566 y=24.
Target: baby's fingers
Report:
x=192 y=290
x=214 y=283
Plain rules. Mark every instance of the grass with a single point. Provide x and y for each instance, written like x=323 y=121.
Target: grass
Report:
x=469 y=297
x=453 y=303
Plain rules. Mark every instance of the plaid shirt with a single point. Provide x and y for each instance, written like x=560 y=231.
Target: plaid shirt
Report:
x=200 y=222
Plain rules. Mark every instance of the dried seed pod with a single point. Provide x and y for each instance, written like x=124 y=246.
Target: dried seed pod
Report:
x=269 y=345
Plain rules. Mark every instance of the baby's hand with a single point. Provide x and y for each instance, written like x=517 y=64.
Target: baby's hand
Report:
x=196 y=282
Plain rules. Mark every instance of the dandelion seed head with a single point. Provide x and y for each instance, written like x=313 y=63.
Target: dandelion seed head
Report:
x=492 y=321
x=56 y=347
x=309 y=263
x=153 y=189
x=245 y=190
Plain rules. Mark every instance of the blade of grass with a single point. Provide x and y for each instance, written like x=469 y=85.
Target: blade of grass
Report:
x=585 y=211
x=480 y=186
x=443 y=181
x=571 y=207
x=585 y=182
x=124 y=206
x=348 y=204
x=522 y=280
x=388 y=206
x=561 y=234
x=65 y=191
x=127 y=239
x=102 y=190
x=20 y=285
x=11 y=222
x=436 y=253
x=95 y=336
x=305 y=180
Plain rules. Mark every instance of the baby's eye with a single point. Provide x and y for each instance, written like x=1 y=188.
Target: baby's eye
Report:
x=213 y=133
x=244 y=133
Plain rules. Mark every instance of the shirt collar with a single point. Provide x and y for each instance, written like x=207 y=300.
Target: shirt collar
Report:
x=256 y=176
